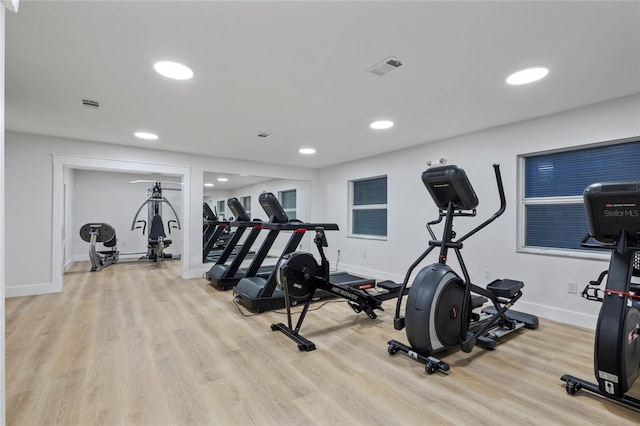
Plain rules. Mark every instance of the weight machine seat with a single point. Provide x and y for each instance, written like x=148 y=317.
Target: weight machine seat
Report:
x=157 y=231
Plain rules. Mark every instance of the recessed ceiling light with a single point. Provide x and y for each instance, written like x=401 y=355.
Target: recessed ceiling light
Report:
x=382 y=124
x=307 y=151
x=208 y=184
x=528 y=75
x=222 y=179
x=173 y=70
x=146 y=135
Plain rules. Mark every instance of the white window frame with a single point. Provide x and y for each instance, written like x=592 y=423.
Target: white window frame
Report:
x=288 y=211
x=351 y=234
x=221 y=212
x=243 y=201
x=523 y=202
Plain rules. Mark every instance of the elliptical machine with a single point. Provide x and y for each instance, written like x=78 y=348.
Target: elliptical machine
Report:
x=439 y=310
x=613 y=216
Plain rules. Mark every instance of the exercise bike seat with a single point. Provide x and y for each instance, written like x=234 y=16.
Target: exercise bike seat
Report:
x=505 y=288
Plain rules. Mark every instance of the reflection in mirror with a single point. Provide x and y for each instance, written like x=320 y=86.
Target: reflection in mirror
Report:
x=294 y=195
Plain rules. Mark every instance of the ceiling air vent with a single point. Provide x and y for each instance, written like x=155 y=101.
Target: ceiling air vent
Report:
x=91 y=104
x=263 y=135
x=385 y=67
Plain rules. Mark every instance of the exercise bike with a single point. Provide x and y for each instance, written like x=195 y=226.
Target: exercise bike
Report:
x=439 y=312
x=613 y=217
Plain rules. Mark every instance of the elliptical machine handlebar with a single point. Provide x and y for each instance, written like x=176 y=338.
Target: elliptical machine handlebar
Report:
x=497 y=214
x=399 y=321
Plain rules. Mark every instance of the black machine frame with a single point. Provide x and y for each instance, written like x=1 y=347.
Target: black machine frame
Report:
x=157 y=239
x=225 y=277
x=613 y=216
x=104 y=233
x=438 y=285
x=299 y=274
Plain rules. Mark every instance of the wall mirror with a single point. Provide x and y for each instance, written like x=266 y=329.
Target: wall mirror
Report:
x=294 y=195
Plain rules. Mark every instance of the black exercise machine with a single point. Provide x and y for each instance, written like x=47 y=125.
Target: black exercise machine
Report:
x=157 y=240
x=299 y=277
x=225 y=277
x=240 y=222
x=104 y=233
x=439 y=310
x=613 y=216
x=215 y=234
x=261 y=293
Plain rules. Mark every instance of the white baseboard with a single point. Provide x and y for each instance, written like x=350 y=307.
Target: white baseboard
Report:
x=369 y=273
x=198 y=273
x=560 y=315
x=549 y=312
x=68 y=265
x=29 y=290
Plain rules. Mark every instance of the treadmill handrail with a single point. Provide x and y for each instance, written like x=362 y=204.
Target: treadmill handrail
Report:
x=292 y=226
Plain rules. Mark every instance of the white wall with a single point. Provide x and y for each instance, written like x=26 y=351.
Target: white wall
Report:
x=2 y=216
x=494 y=248
x=108 y=197
x=68 y=234
x=29 y=168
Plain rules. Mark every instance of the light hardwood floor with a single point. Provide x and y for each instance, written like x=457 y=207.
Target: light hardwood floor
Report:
x=133 y=344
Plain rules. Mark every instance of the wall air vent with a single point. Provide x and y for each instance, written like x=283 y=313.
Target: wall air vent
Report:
x=263 y=135
x=91 y=104
x=385 y=67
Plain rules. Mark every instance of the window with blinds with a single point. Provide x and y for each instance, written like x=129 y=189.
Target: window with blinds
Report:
x=246 y=204
x=221 y=209
x=553 y=210
x=288 y=199
x=369 y=207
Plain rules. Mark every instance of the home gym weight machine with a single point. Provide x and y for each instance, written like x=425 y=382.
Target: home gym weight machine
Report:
x=157 y=240
x=439 y=309
x=104 y=233
x=613 y=217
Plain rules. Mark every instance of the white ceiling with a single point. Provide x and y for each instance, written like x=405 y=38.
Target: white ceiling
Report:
x=298 y=71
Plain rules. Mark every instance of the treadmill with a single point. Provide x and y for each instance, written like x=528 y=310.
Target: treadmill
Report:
x=213 y=231
x=225 y=277
x=260 y=293
x=241 y=223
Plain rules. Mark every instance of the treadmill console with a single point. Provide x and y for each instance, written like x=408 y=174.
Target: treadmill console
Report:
x=207 y=213
x=238 y=210
x=613 y=207
x=273 y=208
x=450 y=184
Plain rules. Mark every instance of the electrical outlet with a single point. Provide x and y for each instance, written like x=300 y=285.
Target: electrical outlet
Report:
x=572 y=287
x=487 y=274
